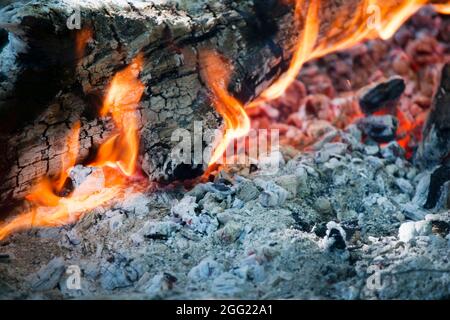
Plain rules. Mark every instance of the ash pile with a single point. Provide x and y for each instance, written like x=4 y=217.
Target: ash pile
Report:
x=345 y=222
x=354 y=215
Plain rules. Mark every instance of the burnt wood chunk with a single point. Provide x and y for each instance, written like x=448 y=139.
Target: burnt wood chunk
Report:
x=435 y=145
x=379 y=128
x=382 y=95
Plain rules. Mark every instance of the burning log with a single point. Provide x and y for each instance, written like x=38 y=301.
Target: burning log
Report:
x=56 y=76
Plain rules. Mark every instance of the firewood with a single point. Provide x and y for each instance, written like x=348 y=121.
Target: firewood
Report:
x=48 y=81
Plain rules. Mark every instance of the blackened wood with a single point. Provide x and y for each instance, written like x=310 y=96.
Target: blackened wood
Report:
x=435 y=146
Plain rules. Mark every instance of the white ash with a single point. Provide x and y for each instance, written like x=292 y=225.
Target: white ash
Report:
x=186 y=211
x=271 y=163
x=87 y=180
x=159 y=285
x=317 y=227
x=48 y=276
x=136 y=203
x=206 y=269
x=272 y=194
x=159 y=229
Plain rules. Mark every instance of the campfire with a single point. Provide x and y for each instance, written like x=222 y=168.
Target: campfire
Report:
x=215 y=149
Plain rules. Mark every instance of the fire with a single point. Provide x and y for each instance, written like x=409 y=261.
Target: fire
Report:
x=372 y=19
x=305 y=47
x=114 y=163
x=442 y=8
x=116 y=159
x=125 y=92
x=82 y=38
x=216 y=74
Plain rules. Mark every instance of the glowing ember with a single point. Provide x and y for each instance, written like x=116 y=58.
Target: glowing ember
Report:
x=115 y=161
x=82 y=38
x=216 y=73
x=405 y=132
x=442 y=8
x=372 y=19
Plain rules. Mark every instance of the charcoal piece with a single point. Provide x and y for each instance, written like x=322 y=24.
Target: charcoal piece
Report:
x=338 y=242
x=3 y=38
x=221 y=187
x=351 y=228
x=48 y=276
x=440 y=227
x=379 y=128
x=392 y=151
x=384 y=94
x=320 y=230
x=437 y=180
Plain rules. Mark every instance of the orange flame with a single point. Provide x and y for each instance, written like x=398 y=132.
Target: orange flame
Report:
x=216 y=73
x=70 y=158
x=305 y=48
x=443 y=8
x=116 y=160
x=81 y=40
x=373 y=18
x=125 y=92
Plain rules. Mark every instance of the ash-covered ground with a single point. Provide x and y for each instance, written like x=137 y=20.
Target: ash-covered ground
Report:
x=325 y=226
x=345 y=218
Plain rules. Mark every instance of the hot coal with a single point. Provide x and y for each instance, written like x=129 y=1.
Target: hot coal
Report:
x=384 y=94
x=332 y=87
x=379 y=128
